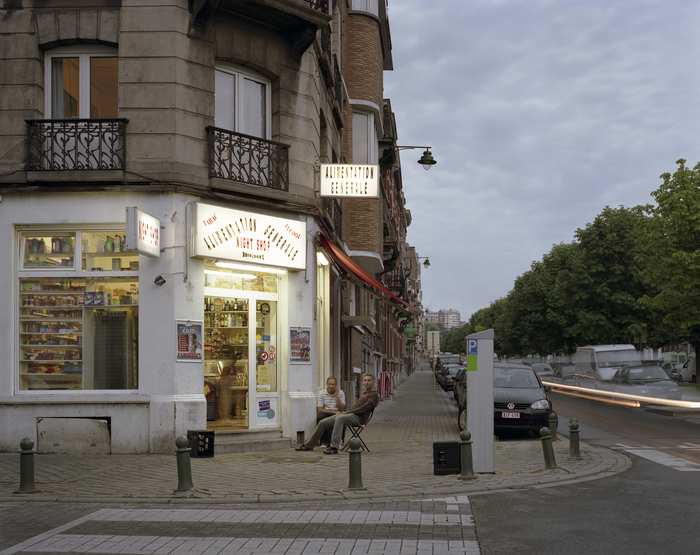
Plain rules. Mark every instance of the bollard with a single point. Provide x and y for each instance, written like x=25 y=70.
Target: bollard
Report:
x=465 y=456
x=553 y=422
x=574 y=454
x=184 y=470
x=355 y=465
x=547 y=449
x=26 y=467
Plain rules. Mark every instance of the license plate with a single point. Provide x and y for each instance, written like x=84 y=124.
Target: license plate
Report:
x=510 y=415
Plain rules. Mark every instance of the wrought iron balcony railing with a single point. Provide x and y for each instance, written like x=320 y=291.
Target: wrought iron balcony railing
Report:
x=75 y=144
x=248 y=159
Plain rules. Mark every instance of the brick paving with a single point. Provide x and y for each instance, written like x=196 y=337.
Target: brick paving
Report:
x=400 y=464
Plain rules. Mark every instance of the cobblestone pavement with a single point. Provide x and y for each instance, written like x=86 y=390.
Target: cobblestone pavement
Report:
x=399 y=465
x=282 y=502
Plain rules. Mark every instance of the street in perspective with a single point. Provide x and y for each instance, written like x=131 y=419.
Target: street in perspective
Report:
x=284 y=501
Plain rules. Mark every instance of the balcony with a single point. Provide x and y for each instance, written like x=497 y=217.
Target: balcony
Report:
x=76 y=144
x=299 y=19
x=246 y=159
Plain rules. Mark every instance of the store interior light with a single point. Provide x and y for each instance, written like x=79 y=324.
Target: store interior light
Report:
x=250 y=267
x=321 y=259
x=229 y=274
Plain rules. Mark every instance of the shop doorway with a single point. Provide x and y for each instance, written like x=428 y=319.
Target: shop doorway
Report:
x=240 y=351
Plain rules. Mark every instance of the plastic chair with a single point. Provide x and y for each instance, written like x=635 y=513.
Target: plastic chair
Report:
x=356 y=431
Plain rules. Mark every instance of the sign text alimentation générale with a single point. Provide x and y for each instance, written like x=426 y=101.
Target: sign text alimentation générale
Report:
x=344 y=179
x=243 y=230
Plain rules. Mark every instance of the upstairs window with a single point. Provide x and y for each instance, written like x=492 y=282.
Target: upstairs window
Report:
x=83 y=82
x=364 y=139
x=242 y=102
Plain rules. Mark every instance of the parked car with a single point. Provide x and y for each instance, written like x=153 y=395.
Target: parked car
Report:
x=442 y=359
x=674 y=370
x=447 y=376
x=564 y=373
x=520 y=399
x=544 y=370
x=460 y=386
x=689 y=372
x=646 y=381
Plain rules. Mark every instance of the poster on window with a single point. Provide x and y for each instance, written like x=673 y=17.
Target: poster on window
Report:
x=300 y=341
x=189 y=342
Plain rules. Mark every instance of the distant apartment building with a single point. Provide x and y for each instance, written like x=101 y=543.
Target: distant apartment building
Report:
x=449 y=318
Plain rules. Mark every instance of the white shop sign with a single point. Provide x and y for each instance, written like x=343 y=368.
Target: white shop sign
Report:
x=229 y=234
x=349 y=181
x=142 y=232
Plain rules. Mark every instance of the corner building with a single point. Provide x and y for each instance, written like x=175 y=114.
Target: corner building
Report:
x=168 y=266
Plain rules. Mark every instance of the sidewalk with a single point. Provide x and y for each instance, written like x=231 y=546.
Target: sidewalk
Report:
x=399 y=466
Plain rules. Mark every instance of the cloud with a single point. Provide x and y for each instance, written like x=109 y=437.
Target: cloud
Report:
x=540 y=114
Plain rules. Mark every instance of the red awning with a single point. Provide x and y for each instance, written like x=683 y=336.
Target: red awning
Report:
x=361 y=277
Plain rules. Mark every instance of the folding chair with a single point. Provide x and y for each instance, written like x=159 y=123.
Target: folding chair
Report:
x=356 y=431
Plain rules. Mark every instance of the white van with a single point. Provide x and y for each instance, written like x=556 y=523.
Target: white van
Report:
x=689 y=371
x=596 y=363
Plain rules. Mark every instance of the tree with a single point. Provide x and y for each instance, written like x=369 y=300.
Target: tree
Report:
x=669 y=254
x=609 y=280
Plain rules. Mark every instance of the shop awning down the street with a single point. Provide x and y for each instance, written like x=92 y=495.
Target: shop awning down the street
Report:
x=355 y=273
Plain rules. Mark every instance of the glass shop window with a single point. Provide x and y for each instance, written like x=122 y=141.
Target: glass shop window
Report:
x=78 y=330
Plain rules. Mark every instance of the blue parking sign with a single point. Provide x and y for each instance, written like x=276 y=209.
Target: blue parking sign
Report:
x=471 y=347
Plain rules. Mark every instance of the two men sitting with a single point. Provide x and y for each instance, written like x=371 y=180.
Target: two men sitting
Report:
x=357 y=415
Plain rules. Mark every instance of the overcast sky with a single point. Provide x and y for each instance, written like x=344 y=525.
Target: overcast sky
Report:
x=540 y=113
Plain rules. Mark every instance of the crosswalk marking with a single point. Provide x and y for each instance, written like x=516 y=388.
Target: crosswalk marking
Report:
x=677 y=463
x=59 y=540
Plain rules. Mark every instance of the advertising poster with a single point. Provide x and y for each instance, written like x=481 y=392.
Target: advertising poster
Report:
x=300 y=345
x=190 y=339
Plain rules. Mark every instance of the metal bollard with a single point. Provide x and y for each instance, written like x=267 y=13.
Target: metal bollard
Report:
x=547 y=449
x=553 y=422
x=355 y=465
x=184 y=470
x=465 y=456
x=574 y=454
x=26 y=467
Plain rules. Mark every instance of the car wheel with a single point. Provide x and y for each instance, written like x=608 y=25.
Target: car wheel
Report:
x=693 y=379
x=462 y=419
x=680 y=379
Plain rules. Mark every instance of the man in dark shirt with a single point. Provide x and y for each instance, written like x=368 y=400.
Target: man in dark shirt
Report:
x=357 y=415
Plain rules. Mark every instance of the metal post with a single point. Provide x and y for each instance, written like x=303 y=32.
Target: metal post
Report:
x=465 y=456
x=26 y=467
x=355 y=465
x=574 y=454
x=553 y=422
x=547 y=449
x=184 y=470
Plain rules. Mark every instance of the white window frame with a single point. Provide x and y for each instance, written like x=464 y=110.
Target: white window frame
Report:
x=84 y=52
x=241 y=73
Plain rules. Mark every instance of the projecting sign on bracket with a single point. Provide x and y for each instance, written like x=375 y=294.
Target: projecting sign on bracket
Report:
x=349 y=181
x=235 y=235
x=142 y=232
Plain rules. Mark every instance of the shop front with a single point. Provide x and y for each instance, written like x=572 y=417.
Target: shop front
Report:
x=119 y=347
x=247 y=258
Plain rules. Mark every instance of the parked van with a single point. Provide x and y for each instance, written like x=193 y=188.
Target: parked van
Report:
x=598 y=363
x=689 y=371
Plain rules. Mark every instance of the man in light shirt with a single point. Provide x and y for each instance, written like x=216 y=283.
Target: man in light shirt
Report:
x=329 y=401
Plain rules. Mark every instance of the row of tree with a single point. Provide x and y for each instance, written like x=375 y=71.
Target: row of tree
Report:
x=631 y=276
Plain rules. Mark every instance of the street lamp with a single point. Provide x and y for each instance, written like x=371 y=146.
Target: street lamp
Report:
x=426 y=264
x=427 y=160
